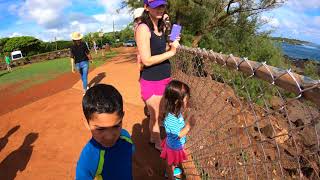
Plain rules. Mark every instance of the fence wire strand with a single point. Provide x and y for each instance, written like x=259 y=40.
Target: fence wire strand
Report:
x=254 y=121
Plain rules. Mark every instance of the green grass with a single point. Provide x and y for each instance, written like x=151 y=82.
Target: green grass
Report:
x=37 y=73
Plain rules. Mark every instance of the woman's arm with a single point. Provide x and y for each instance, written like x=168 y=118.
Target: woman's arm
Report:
x=90 y=57
x=72 y=64
x=87 y=52
x=143 y=43
x=72 y=61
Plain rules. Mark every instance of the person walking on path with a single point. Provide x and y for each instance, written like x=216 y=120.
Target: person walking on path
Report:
x=156 y=74
x=80 y=56
x=8 y=62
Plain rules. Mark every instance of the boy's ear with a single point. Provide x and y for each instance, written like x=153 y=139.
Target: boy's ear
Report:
x=86 y=123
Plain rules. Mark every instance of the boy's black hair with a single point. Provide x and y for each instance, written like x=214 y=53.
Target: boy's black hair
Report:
x=174 y=94
x=145 y=18
x=102 y=98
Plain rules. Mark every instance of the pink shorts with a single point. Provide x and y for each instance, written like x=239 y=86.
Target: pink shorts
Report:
x=150 y=88
x=172 y=156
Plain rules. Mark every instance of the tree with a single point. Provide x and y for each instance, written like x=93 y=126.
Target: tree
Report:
x=62 y=44
x=127 y=33
x=3 y=41
x=201 y=17
x=90 y=37
x=109 y=38
x=26 y=44
x=46 y=47
x=311 y=69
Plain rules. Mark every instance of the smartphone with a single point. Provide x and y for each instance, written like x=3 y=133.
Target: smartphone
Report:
x=175 y=32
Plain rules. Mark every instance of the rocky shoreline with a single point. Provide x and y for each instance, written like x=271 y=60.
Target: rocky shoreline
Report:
x=300 y=64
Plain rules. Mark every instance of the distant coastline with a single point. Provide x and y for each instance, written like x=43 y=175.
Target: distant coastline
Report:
x=297 y=49
x=290 y=41
x=299 y=53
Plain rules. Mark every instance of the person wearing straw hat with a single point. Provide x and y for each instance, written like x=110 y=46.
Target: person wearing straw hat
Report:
x=80 y=56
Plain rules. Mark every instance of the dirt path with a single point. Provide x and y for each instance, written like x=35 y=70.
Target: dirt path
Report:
x=11 y=100
x=43 y=140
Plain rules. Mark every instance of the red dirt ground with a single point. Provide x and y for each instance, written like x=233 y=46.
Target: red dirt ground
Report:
x=43 y=129
x=11 y=100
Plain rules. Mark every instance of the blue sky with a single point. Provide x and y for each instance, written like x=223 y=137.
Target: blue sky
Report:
x=297 y=19
x=46 y=19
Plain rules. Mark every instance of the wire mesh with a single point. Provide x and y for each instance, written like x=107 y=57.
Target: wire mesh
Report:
x=247 y=128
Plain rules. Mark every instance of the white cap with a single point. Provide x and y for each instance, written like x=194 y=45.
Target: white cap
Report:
x=138 y=12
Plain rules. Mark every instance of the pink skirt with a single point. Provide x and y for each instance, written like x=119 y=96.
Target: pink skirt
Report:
x=150 y=88
x=172 y=156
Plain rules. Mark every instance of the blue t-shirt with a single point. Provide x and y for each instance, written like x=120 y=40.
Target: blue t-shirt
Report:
x=113 y=163
x=173 y=126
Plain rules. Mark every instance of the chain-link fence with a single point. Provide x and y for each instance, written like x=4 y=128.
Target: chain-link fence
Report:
x=254 y=121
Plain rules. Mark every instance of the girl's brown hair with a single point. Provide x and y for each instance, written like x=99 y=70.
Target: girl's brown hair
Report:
x=174 y=94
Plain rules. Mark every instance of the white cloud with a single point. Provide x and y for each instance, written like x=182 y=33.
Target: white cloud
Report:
x=121 y=19
x=59 y=18
x=302 y=5
x=295 y=19
x=74 y=23
x=47 y=13
x=15 y=34
x=110 y=5
x=317 y=20
x=82 y=18
x=273 y=22
x=312 y=31
x=13 y=8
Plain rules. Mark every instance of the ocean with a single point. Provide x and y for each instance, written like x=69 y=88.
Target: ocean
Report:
x=304 y=51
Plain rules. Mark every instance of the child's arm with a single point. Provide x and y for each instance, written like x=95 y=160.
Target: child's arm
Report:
x=185 y=130
x=189 y=124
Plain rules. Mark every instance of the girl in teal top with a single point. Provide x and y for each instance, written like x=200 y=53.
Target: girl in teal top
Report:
x=176 y=98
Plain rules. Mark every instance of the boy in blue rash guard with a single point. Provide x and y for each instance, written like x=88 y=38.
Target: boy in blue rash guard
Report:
x=108 y=154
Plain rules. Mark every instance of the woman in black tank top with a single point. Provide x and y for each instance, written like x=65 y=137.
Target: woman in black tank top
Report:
x=156 y=74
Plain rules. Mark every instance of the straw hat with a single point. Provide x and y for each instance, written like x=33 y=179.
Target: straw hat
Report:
x=76 y=36
x=138 y=13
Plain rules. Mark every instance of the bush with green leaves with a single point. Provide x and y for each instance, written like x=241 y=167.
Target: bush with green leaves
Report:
x=26 y=44
x=311 y=69
x=241 y=39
